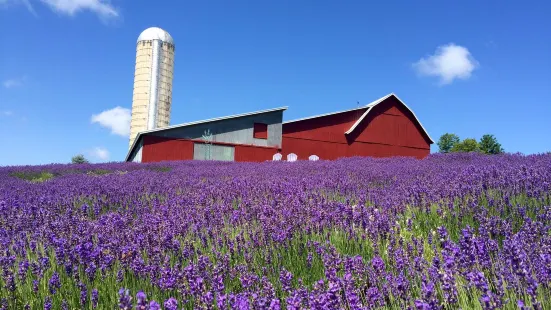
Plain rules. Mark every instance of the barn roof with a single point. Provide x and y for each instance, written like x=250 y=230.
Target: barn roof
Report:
x=373 y=104
x=139 y=135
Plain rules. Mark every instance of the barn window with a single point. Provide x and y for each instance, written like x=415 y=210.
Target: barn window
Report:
x=260 y=131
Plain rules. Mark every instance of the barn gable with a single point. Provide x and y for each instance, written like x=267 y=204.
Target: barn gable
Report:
x=385 y=127
x=389 y=105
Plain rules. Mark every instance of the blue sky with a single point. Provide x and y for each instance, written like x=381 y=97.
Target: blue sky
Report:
x=471 y=68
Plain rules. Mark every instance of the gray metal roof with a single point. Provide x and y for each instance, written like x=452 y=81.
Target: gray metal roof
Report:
x=139 y=135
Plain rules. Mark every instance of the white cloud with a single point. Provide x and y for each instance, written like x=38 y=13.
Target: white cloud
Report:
x=70 y=7
x=14 y=82
x=26 y=3
x=6 y=113
x=449 y=62
x=116 y=119
x=99 y=153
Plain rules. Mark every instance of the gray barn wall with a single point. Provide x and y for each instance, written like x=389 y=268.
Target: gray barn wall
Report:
x=136 y=156
x=235 y=130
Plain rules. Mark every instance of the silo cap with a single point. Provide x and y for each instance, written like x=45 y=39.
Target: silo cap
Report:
x=155 y=33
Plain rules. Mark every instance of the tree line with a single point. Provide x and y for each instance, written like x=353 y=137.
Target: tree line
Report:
x=450 y=143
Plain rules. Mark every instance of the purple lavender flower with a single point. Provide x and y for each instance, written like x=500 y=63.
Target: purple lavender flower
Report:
x=120 y=276
x=83 y=293
x=9 y=281
x=309 y=260
x=285 y=278
x=153 y=305
x=35 y=286
x=23 y=268
x=94 y=298
x=274 y=305
x=54 y=283
x=125 y=300
x=171 y=304
x=521 y=305
x=221 y=301
x=48 y=303
x=141 y=300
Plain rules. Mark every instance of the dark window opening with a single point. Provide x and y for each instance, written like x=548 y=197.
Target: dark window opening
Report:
x=260 y=131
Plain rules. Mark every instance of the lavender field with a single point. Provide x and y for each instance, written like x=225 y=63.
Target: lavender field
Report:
x=459 y=231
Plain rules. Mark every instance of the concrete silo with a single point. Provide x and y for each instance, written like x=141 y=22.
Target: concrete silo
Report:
x=153 y=76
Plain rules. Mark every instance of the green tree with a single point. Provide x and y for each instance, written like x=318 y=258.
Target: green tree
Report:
x=447 y=142
x=79 y=159
x=467 y=145
x=489 y=145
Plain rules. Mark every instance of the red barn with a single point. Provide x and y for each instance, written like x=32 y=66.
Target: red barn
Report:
x=386 y=127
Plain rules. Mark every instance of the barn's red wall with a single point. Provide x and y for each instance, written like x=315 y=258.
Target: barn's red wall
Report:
x=159 y=149
x=329 y=150
x=254 y=153
x=388 y=130
x=327 y=128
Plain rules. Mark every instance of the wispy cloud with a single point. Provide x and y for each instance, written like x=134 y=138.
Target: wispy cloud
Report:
x=14 y=82
x=99 y=153
x=71 y=7
x=116 y=119
x=449 y=62
x=26 y=3
x=6 y=113
x=102 y=8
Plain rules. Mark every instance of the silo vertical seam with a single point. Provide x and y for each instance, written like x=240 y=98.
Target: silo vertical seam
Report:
x=153 y=93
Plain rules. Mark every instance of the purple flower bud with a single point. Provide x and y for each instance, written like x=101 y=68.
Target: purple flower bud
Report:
x=153 y=305
x=120 y=276
x=83 y=293
x=309 y=260
x=141 y=301
x=285 y=278
x=54 y=283
x=274 y=305
x=125 y=300
x=94 y=298
x=171 y=304
x=35 y=286
x=48 y=303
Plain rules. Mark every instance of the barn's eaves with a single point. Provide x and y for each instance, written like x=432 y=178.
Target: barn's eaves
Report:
x=323 y=115
x=216 y=119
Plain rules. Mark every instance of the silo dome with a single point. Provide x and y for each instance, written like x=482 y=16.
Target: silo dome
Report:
x=155 y=33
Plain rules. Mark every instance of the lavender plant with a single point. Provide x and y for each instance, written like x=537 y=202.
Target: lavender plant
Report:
x=455 y=231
